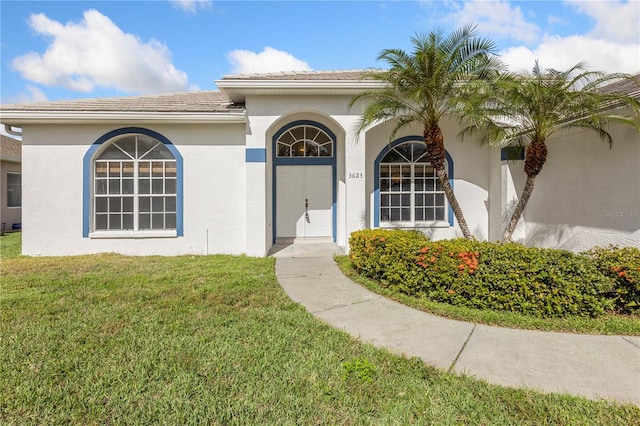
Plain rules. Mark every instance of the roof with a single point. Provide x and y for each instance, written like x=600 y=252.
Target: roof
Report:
x=628 y=87
x=207 y=101
x=301 y=75
x=10 y=149
x=223 y=106
x=186 y=107
x=318 y=83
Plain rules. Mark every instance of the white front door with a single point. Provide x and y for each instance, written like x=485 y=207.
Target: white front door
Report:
x=303 y=201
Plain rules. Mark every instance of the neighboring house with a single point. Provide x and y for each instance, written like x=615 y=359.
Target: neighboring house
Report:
x=274 y=157
x=10 y=183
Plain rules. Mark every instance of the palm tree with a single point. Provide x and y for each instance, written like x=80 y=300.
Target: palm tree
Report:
x=526 y=109
x=427 y=85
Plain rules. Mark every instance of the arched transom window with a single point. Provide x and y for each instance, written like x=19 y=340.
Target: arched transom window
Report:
x=410 y=191
x=304 y=141
x=134 y=185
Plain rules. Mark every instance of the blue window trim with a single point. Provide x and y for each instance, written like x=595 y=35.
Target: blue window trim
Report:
x=376 y=183
x=256 y=155
x=305 y=161
x=87 y=168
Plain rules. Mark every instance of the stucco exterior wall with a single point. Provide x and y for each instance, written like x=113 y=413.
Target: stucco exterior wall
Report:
x=268 y=114
x=8 y=215
x=214 y=191
x=587 y=194
x=471 y=172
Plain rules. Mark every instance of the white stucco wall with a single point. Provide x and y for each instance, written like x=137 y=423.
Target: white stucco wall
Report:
x=214 y=191
x=587 y=194
x=471 y=171
x=268 y=114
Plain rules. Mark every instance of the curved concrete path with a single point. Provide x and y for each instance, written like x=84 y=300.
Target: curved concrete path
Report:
x=597 y=367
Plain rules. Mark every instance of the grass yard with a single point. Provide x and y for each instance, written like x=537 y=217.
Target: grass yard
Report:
x=109 y=339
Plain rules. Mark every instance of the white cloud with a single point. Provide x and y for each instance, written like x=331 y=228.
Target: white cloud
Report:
x=496 y=19
x=563 y=52
x=192 y=6
x=96 y=53
x=615 y=20
x=33 y=94
x=269 y=60
x=611 y=45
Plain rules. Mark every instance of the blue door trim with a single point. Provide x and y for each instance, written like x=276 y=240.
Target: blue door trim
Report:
x=376 y=183
x=305 y=161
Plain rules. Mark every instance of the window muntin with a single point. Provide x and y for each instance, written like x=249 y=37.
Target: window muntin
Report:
x=410 y=190
x=135 y=182
x=14 y=190
x=304 y=141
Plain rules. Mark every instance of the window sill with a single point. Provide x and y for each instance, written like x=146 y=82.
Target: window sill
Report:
x=417 y=225
x=133 y=234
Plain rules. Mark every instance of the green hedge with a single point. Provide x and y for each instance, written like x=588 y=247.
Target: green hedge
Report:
x=538 y=282
x=622 y=265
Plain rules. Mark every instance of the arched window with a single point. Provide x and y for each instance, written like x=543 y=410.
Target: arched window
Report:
x=409 y=190
x=135 y=185
x=304 y=140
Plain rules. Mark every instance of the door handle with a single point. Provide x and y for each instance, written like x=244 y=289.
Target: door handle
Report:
x=306 y=210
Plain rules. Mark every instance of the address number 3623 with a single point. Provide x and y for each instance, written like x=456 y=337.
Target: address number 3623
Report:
x=356 y=175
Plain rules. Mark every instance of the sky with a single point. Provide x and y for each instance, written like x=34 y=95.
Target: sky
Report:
x=53 y=50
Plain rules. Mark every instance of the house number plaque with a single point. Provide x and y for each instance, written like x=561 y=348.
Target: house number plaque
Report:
x=356 y=175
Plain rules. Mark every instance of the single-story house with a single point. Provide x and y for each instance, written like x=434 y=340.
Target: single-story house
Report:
x=277 y=158
x=10 y=183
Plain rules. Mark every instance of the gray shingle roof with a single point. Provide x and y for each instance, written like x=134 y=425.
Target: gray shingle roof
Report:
x=300 y=75
x=628 y=87
x=10 y=149
x=206 y=101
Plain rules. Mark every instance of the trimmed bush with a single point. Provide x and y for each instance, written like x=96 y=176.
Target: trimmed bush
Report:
x=622 y=265
x=511 y=277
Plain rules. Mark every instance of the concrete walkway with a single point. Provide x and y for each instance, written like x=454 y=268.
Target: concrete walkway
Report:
x=597 y=367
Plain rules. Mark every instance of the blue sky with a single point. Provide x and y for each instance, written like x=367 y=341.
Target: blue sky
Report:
x=54 y=50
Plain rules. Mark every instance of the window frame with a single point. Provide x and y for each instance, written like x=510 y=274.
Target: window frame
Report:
x=10 y=190
x=380 y=192
x=94 y=156
x=308 y=141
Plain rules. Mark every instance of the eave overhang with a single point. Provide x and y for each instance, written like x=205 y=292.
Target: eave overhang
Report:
x=238 y=89
x=21 y=117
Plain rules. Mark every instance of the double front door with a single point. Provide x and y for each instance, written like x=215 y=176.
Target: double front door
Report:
x=303 y=201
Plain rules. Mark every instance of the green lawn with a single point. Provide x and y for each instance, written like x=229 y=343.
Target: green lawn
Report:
x=109 y=339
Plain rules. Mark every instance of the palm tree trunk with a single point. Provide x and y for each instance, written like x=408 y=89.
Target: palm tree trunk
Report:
x=517 y=213
x=534 y=160
x=453 y=202
x=436 y=155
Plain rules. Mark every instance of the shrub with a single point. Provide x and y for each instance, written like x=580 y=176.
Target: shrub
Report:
x=622 y=265
x=384 y=255
x=511 y=277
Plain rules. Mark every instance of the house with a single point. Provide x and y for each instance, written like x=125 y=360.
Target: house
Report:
x=277 y=158
x=10 y=183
